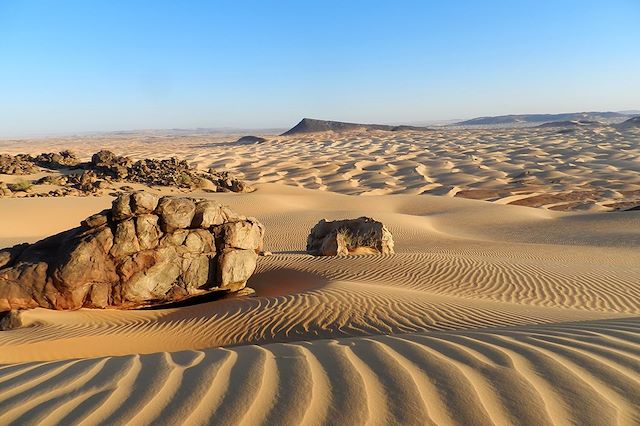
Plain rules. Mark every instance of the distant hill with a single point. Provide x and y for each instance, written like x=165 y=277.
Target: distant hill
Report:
x=530 y=119
x=574 y=123
x=250 y=140
x=310 y=125
x=630 y=123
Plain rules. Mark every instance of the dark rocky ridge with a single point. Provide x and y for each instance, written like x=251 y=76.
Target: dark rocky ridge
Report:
x=310 y=125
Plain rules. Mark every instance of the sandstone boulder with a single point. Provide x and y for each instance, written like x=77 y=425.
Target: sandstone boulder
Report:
x=350 y=236
x=235 y=267
x=176 y=213
x=145 y=250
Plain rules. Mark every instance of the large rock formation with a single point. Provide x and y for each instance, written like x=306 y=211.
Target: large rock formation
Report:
x=144 y=250
x=350 y=236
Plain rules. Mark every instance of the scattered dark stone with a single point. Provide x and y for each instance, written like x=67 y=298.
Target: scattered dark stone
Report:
x=106 y=167
x=20 y=164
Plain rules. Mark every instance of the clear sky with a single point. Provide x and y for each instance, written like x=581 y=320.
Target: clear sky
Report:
x=69 y=66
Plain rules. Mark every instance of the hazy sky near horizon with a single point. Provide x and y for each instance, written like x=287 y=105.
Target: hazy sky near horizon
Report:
x=68 y=66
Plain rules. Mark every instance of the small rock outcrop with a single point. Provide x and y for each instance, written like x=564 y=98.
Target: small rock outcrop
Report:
x=145 y=250
x=250 y=140
x=350 y=236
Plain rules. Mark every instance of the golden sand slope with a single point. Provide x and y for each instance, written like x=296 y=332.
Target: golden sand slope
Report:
x=487 y=313
x=582 y=373
x=583 y=168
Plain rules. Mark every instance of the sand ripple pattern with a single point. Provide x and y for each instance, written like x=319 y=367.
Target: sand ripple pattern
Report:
x=573 y=373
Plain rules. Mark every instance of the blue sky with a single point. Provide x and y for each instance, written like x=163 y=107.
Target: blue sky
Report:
x=69 y=66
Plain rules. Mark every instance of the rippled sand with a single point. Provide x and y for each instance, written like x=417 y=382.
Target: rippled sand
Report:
x=487 y=313
x=582 y=168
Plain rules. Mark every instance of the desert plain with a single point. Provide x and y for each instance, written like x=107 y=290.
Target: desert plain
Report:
x=513 y=296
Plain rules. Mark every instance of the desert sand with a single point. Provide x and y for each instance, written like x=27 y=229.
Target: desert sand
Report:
x=490 y=311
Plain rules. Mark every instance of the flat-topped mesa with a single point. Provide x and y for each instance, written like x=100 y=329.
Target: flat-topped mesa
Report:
x=350 y=236
x=310 y=125
x=144 y=250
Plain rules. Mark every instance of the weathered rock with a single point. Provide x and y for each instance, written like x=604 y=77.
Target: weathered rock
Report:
x=97 y=219
x=10 y=254
x=4 y=190
x=17 y=165
x=153 y=281
x=121 y=207
x=235 y=267
x=53 y=160
x=245 y=234
x=351 y=236
x=106 y=167
x=199 y=241
x=247 y=291
x=87 y=180
x=17 y=284
x=143 y=202
x=134 y=254
x=176 y=213
x=148 y=231
x=10 y=320
x=207 y=214
x=125 y=240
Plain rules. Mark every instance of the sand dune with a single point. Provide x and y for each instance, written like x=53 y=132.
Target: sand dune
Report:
x=580 y=373
x=580 y=168
x=488 y=312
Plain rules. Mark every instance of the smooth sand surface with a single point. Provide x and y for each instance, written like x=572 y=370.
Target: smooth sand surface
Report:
x=487 y=313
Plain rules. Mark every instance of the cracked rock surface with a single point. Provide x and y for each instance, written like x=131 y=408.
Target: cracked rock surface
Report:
x=145 y=250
